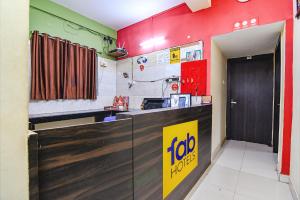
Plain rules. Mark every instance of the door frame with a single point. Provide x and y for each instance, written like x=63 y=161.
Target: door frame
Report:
x=216 y=67
x=278 y=51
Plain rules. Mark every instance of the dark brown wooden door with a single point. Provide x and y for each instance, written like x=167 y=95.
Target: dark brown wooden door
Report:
x=250 y=99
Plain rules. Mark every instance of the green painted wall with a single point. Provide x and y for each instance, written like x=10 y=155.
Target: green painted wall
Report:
x=56 y=20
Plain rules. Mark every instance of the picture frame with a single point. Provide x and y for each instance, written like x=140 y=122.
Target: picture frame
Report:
x=298 y=9
x=189 y=56
x=198 y=55
x=182 y=100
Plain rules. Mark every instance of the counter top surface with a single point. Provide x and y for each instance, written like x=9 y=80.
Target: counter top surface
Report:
x=140 y=112
x=34 y=116
x=65 y=113
x=130 y=112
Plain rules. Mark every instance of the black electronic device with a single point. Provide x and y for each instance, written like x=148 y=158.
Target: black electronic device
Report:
x=154 y=103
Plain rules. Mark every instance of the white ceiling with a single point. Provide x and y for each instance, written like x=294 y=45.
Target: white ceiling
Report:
x=118 y=14
x=196 y=5
x=249 y=42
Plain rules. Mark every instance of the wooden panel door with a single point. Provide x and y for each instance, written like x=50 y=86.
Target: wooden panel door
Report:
x=250 y=99
x=237 y=100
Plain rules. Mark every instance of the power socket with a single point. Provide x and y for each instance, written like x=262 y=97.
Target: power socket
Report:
x=172 y=80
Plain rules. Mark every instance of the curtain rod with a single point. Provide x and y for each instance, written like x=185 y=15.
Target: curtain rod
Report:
x=63 y=40
x=90 y=30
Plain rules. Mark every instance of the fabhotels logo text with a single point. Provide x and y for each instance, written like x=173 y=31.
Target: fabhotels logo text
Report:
x=180 y=154
x=186 y=156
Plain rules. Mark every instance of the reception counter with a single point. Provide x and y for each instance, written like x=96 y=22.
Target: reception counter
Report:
x=148 y=137
x=154 y=154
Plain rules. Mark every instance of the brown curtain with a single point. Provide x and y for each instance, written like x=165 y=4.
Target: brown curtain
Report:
x=61 y=70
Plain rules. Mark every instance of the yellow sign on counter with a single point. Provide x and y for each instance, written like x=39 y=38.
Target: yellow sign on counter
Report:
x=180 y=154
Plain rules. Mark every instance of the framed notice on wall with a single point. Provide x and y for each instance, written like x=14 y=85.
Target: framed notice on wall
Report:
x=175 y=55
x=298 y=8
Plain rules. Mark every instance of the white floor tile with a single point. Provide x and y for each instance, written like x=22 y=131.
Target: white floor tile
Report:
x=258 y=147
x=243 y=171
x=234 y=144
x=243 y=197
x=264 y=158
x=262 y=188
x=231 y=158
x=210 y=192
x=260 y=163
x=223 y=177
x=283 y=191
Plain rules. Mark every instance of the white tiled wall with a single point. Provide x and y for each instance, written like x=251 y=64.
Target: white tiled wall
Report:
x=106 y=87
x=152 y=71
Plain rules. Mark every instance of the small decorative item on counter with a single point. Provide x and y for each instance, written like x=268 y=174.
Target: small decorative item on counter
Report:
x=126 y=102
x=121 y=102
x=206 y=99
x=115 y=103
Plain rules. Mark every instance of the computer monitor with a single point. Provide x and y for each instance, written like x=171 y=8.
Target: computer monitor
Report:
x=181 y=100
x=154 y=103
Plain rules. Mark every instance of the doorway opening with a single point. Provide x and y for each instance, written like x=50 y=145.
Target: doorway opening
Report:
x=246 y=75
x=250 y=99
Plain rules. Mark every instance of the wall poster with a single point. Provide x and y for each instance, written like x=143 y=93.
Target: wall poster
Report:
x=175 y=55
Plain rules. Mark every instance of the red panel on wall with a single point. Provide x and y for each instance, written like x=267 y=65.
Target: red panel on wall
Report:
x=194 y=77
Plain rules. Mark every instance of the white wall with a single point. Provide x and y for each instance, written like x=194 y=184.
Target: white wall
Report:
x=106 y=90
x=281 y=114
x=295 y=148
x=152 y=71
x=219 y=97
x=14 y=23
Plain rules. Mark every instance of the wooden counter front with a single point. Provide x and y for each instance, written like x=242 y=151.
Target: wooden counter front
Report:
x=85 y=162
x=147 y=149
x=120 y=160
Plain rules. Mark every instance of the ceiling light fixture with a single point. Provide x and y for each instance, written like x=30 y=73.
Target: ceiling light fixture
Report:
x=237 y=25
x=245 y=23
x=253 y=21
x=153 y=42
x=243 y=1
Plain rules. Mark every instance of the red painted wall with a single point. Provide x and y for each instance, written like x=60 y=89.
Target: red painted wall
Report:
x=288 y=98
x=177 y=23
